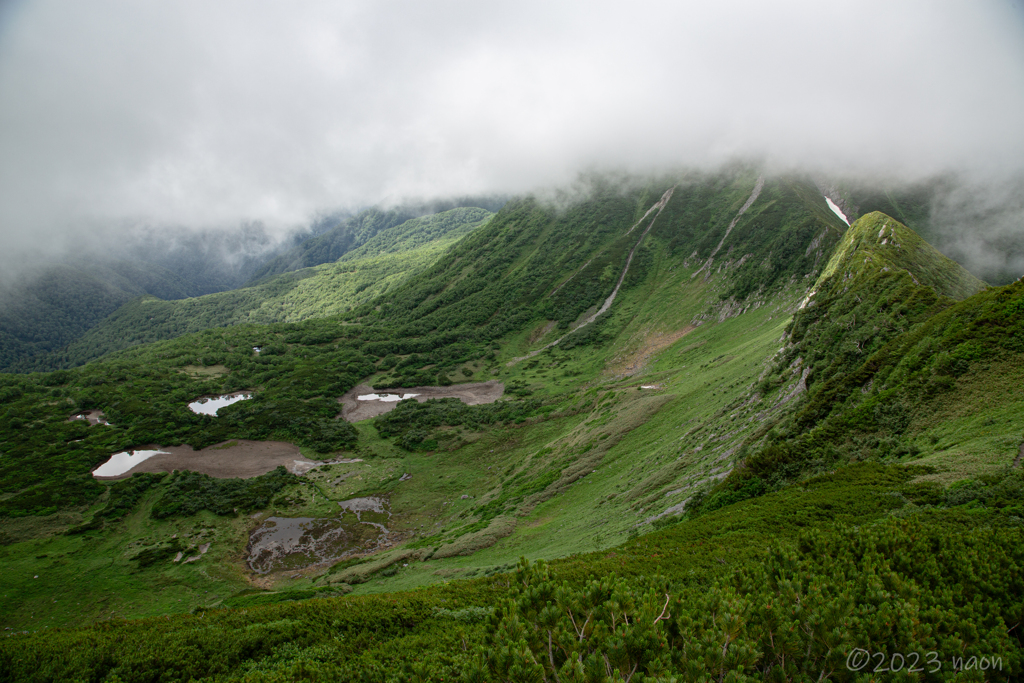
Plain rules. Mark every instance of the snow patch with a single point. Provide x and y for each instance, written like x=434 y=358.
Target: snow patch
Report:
x=387 y=398
x=210 y=405
x=837 y=211
x=120 y=463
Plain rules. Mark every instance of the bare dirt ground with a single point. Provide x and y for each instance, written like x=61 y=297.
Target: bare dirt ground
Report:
x=633 y=359
x=541 y=331
x=473 y=393
x=236 y=458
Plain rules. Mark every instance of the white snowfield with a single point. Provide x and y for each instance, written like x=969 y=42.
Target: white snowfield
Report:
x=210 y=406
x=120 y=463
x=388 y=398
x=837 y=211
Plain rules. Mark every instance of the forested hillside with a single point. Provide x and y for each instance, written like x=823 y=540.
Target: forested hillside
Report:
x=380 y=264
x=351 y=233
x=556 y=264
x=46 y=309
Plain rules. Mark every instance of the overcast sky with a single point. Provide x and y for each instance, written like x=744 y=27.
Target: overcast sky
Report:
x=206 y=114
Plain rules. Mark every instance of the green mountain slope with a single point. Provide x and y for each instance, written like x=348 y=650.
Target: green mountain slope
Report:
x=876 y=243
x=47 y=309
x=534 y=262
x=881 y=280
x=944 y=393
x=889 y=366
x=355 y=231
x=668 y=435
x=676 y=322
x=966 y=223
x=335 y=243
x=362 y=274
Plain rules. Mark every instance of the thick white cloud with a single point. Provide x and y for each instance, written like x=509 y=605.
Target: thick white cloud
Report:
x=205 y=114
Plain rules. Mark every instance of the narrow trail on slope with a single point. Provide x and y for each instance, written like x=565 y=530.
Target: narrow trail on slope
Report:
x=569 y=279
x=660 y=205
x=753 y=197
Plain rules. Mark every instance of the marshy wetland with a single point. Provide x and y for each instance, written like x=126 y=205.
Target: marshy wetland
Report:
x=292 y=543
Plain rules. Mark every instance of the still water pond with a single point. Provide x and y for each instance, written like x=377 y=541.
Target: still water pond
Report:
x=120 y=463
x=211 y=404
x=286 y=543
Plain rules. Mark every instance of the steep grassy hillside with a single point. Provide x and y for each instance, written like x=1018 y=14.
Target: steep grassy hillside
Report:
x=334 y=243
x=890 y=367
x=881 y=280
x=965 y=222
x=535 y=262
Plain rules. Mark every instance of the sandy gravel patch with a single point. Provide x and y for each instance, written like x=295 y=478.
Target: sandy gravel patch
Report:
x=639 y=350
x=235 y=458
x=473 y=393
x=93 y=417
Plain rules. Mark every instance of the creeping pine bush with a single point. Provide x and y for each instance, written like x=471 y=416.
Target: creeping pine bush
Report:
x=127 y=492
x=897 y=587
x=189 y=492
x=1002 y=491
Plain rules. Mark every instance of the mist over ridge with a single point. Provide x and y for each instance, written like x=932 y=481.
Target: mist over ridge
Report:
x=182 y=118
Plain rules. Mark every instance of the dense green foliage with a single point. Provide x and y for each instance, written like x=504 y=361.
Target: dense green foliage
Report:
x=942 y=581
x=678 y=399
x=781 y=236
x=382 y=262
x=877 y=344
x=144 y=393
x=871 y=406
x=334 y=243
x=881 y=281
x=901 y=587
x=354 y=232
x=1002 y=491
x=190 y=492
x=513 y=262
x=47 y=309
x=157 y=553
x=125 y=494
x=533 y=261
x=415 y=233
x=43 y=308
